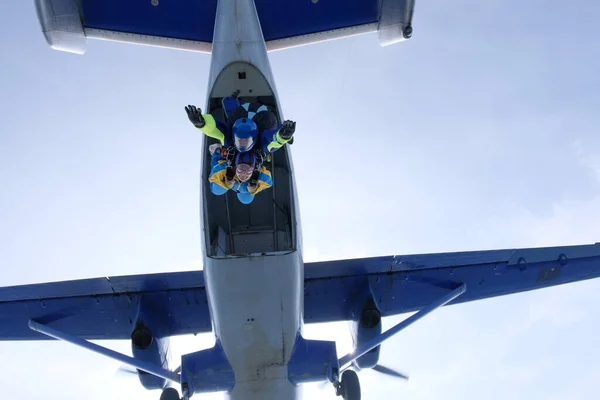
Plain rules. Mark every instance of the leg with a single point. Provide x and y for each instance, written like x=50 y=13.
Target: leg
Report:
x=230 y=104
x=245 y=198
x=217 y=190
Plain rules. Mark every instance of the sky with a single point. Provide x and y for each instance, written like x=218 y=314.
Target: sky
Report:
x=479 y=133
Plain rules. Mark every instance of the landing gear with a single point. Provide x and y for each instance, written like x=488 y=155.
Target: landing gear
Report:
x=169 y=394
x=349 y=387
x=407 y=32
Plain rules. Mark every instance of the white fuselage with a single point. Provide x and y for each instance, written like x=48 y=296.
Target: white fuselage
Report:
x=255 y=302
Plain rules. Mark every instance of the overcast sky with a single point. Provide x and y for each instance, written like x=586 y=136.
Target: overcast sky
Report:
x=479 y=133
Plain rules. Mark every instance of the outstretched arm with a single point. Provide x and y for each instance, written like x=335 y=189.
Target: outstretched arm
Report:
x=273 y=139
x=207 y=124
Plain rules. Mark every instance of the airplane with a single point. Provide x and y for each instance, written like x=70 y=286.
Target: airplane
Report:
x=255 y=292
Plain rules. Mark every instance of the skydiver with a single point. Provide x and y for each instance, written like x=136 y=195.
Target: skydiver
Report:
x=247 y=124
x=242 y=175
x=265 y=120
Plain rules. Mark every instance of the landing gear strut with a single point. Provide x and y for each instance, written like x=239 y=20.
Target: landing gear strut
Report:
x=349 y=387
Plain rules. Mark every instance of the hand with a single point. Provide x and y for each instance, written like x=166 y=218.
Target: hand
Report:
x=229 y=184
x=215 y=147
x=229 y=178
x=195 y=116
x=252 y=187
x=253 y=182
x=235 y=94
x=229 y=174
x=287 y=130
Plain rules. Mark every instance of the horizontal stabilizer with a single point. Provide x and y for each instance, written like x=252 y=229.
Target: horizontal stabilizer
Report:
x=189 y=24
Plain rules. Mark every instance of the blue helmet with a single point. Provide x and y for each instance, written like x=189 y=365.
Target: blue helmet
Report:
x=245 y=133
x=248 y=158
x=244 y=165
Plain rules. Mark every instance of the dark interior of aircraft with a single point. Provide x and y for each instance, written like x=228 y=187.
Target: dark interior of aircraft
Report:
x=265 y=225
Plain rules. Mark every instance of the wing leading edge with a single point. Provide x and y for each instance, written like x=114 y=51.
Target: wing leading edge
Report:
x=402 y=284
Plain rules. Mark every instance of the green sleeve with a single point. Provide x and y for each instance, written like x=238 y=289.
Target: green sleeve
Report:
x=210 y=129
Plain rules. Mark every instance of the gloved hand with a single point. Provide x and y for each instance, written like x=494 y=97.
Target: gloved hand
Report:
x=235 y=94
x=229 y=174
x=229 y=183
x=195 y=116
x=287 y=130
x=252 y=187
x=214 y=147
x=253 y=179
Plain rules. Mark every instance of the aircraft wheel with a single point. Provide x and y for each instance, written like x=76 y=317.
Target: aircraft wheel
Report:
x=407 y=32
x=350 y=385
x=169 y=394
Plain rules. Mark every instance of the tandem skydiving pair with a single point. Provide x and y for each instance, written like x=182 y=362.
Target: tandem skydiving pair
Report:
x=250 y=134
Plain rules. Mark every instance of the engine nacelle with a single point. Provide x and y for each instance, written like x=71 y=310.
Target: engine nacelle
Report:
x=150 y=340
x=146 y=347
x=366 y=326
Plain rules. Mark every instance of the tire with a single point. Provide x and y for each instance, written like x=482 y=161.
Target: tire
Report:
x=407 y=32
x=169 y=394
x=350 y=385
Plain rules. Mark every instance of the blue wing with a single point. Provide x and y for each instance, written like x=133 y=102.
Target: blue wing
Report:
x=403 y=284
x=189 y=24
x=104 y=308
